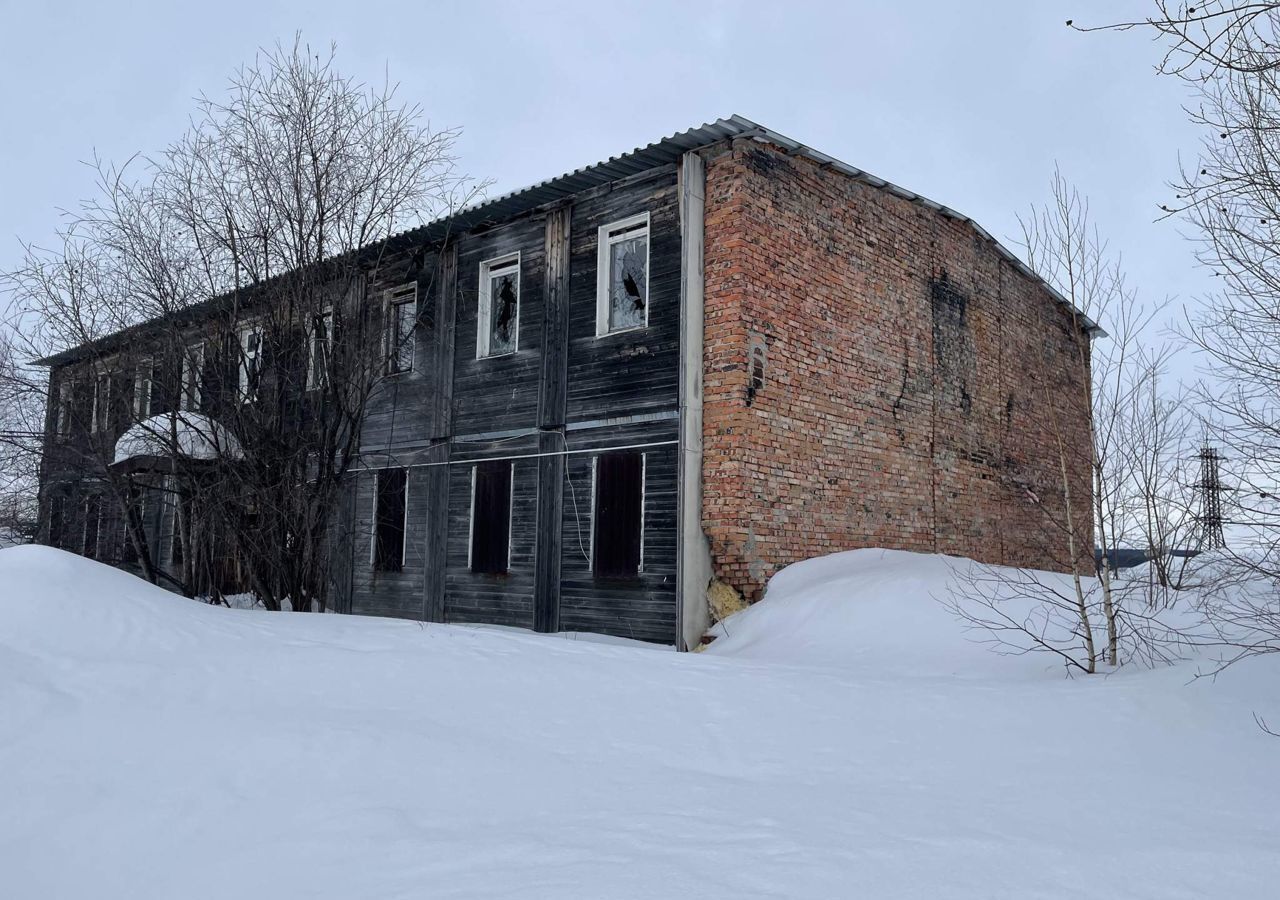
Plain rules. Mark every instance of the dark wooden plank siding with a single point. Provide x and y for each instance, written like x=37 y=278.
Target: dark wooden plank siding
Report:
x=563 y=389
x=643 y=607
x=634 y=371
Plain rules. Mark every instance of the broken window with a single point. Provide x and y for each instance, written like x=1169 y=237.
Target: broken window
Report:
x=617 y=541
x=92 y=526
x=499 y=314
x=321 y=346
x=622 y=287
x=491 y=518
x=402 y=315
x=389 y=509
x=250 y=362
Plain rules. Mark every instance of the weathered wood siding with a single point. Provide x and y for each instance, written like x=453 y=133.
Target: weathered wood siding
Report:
x=563 y=394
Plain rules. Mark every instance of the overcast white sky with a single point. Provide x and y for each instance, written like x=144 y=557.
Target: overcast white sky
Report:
x=970 y=104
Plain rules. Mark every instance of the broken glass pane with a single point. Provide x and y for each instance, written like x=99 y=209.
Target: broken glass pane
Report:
x=504 y=304
x=402 y=353
x=628 y=282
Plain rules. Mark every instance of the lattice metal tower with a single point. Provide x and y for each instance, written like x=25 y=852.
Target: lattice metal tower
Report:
x=1210 y=491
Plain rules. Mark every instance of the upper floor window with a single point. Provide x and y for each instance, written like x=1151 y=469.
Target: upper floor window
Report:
x=250 y=362
x=101 y=419
x=320 y=347
x=66 y=397
x=622 y=275
x=402 y=314
x=142 y=390
x=193 y=377
x=498 y=331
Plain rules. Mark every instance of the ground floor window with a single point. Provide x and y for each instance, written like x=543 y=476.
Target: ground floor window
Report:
x=57 y=520
x=92 y=526
x=618 y=522
x=491 y=518
x=133 y=525
x=389 y=511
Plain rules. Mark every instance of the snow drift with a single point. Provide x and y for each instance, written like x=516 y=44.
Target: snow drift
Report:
x=151 y=746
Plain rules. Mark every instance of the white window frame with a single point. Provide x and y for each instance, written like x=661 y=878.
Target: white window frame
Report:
x=313 y=342
x=484 y=307
x=242 y=380
x=606 y=237
x=373 y=531
x=101 y=404
x=66 y=397
x=192 y=377
x=403 y=295
x=142 y=386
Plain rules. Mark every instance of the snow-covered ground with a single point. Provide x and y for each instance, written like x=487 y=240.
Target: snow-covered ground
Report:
x=843 y=739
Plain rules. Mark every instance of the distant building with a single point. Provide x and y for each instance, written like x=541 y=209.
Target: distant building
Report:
x=706 y=358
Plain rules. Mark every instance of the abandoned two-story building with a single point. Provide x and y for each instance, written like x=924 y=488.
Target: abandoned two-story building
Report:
x=704 y=359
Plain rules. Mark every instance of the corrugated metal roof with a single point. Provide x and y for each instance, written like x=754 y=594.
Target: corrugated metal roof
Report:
x=660 y=153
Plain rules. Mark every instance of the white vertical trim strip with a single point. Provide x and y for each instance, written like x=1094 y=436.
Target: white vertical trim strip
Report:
x=591 y=546
x=644 y=478
x=471 y=520
x=511 y=511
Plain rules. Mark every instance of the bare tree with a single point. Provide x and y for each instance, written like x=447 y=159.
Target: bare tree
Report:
x=1085 y=618
x=235 y=265
x=21 y=430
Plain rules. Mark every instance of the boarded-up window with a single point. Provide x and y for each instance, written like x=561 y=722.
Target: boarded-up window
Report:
x=92 y=526
x=491 y=518
x=622 y=287
x=388 y=542
x=619 y=514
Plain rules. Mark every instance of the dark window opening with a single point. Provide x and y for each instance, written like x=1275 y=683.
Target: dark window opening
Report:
x=756 y=384
x=92 y=527
x=402 y=316
x=388 y=548
x=57 y=520
x=491 y=518
x=619 y=514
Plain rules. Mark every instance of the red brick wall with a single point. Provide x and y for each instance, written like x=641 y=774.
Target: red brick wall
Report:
x=912 y=380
